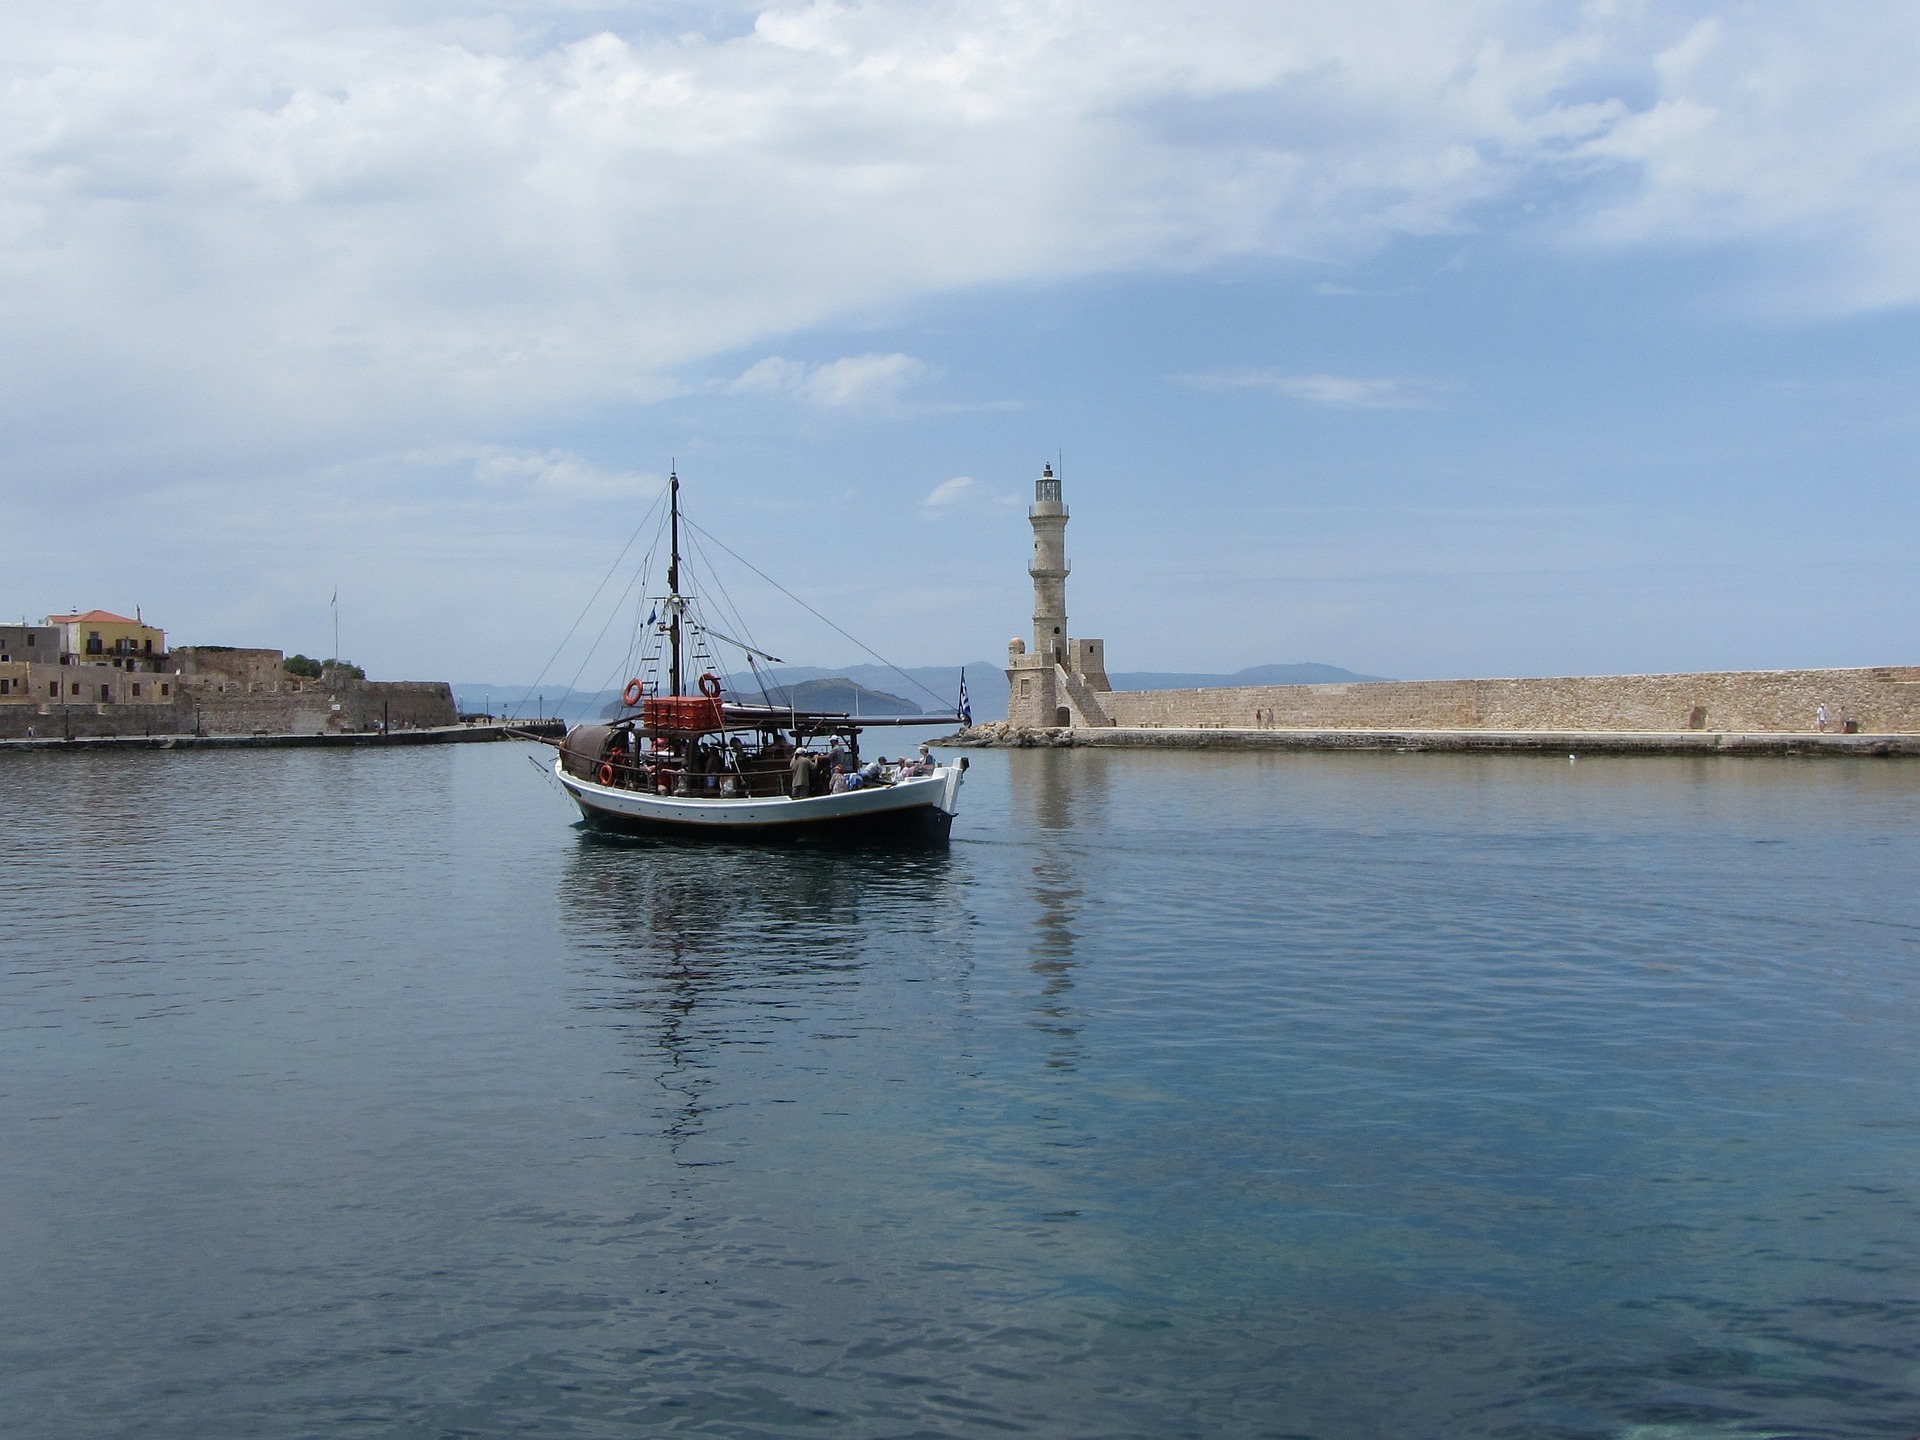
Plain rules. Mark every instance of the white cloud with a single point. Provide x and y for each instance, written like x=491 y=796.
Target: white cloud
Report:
x=559 y=474
x=1336 y=392
x=298 y=214
x=850 y=382
x=1789 y=129
x=948 y=491
x=770 y=375
x=861 y=379
x=339 y=231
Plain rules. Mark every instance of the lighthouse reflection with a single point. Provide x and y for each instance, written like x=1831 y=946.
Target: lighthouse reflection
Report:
x=707 y=947
x=1062 y=794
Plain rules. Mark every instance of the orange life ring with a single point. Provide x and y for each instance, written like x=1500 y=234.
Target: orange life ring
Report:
x=631 y=695
x=710 y=685
x=606 y=772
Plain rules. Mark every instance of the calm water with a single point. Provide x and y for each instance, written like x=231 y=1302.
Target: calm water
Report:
x=357 y=1094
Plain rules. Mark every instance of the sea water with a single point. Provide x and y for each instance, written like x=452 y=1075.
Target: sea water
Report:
x=362 y=1093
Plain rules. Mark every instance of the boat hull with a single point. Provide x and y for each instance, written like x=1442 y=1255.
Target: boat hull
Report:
x=919 y=810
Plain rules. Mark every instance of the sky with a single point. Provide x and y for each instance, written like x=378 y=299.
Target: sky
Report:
x=1426 y=340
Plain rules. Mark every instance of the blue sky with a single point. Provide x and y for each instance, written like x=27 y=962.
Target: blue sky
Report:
x=1471 y=340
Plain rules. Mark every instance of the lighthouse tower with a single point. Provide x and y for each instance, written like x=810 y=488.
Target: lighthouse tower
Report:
x=1058 y=682
x=1049 y=568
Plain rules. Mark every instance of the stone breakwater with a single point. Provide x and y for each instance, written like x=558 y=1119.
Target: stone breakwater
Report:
x=1869 y=711
x=1538 y=742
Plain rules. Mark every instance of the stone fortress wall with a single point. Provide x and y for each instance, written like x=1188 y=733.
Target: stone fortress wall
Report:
x=1058 y=690
x=212 y=690
x=1882 y=700
x=363 y=705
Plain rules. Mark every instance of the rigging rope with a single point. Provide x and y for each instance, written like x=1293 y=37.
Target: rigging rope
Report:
x=813 y=612
x=638 y=576
x=658 y=501
x=731 y=613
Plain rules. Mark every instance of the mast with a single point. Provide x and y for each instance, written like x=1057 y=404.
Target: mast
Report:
x=673 y=581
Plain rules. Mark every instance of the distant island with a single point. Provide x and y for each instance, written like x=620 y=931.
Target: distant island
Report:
x=883 y=690
x=1307 y=674
x=836 y=693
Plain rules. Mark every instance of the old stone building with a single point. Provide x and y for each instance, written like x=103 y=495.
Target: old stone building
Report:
x=102 y=637
x=30 y=644
x=96 y=673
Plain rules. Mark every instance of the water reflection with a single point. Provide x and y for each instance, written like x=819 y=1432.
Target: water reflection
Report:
x=1057 y=793
x=708 y=943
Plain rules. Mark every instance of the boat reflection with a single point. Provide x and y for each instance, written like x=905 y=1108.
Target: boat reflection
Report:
x=706 y=944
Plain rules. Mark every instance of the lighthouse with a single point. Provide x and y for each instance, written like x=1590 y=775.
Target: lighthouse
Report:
x=1049 y=567
x=1058 y=682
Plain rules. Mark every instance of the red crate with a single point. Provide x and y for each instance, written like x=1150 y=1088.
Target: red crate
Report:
x=681 y=714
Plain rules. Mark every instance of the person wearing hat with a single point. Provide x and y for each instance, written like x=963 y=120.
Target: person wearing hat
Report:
x=801 y=771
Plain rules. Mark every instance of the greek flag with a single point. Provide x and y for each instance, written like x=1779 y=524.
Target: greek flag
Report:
x=966 y=707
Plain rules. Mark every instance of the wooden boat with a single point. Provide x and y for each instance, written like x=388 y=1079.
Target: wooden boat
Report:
x=700 y=762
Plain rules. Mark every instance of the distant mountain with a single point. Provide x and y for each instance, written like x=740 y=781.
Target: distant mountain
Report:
x=476 y=697
x=883 y=690
x=934 y=689
x=1308 y=674
x=878 y=689
x=835 y=693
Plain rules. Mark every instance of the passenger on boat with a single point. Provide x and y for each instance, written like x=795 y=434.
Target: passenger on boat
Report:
x=801 y=771
x=842 y=782
x=838 y=755
x=874 y=771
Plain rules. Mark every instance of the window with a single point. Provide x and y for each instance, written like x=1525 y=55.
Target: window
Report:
x=166 y=689
x=6 y=687
x=94 y=647
x=106 y=693
x=54 y=688
x=1026 y=688
x=29 y=641
x=76 y=687
x=136 y=691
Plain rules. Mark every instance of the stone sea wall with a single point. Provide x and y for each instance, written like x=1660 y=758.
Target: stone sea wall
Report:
x=1879 y=700
x=210 y=708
